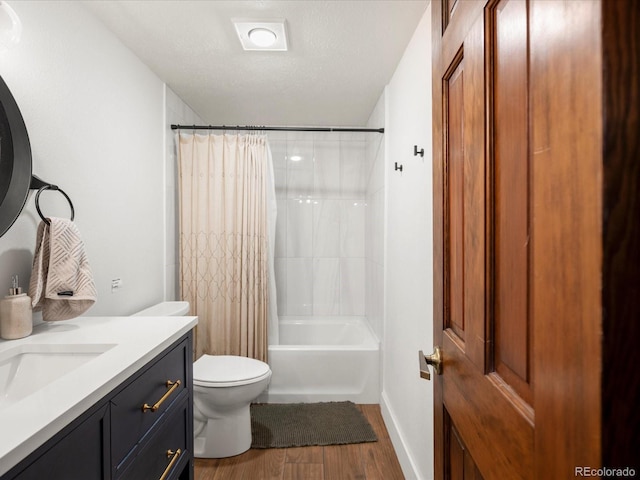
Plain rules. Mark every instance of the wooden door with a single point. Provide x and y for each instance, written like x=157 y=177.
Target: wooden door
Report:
x=518 y=247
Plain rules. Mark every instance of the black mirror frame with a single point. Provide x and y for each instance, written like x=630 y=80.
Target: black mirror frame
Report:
x=15 y=160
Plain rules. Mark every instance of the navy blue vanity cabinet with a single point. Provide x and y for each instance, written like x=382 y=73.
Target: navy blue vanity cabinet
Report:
x=142 y=430
x=165 y=451
x=158 y=399
x=78 y=454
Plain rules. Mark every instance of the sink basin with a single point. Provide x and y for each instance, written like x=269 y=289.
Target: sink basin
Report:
x=27 y=368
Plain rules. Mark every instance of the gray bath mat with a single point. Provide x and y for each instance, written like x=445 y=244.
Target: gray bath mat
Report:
x=282 y=425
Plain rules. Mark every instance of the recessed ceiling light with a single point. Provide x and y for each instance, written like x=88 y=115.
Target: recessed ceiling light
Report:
x=261 y=34
x=295 y=158
x=262 y=37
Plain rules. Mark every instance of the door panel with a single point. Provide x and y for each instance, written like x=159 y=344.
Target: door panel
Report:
x=509 y=86
x=481 y=407
x=465 y=195
x=462 y=464
x=474 y=196
x=513 y=247
x=566 y=136
x=498 y=435
x=455 y=127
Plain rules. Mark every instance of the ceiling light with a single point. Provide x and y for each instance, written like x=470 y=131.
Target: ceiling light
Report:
x=295 y=158
x=267 y=35
x=262 y=37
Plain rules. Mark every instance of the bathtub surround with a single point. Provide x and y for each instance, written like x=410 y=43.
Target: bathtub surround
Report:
x=320 y=234
x=321 y=181
x=375 y=151
x=224 y=228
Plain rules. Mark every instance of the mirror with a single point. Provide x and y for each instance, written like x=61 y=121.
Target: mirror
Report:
x=15 y=160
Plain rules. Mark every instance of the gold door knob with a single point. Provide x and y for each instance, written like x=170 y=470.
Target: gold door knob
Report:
x=435 y=360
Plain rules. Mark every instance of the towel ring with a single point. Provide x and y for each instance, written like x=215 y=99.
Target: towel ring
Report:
x=52 y=187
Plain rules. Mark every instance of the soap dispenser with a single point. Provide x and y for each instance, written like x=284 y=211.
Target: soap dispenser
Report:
x=16 y=319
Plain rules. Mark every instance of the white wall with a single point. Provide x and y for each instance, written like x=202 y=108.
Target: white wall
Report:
x=96 y=122
x=177 y=113
x=407 y=400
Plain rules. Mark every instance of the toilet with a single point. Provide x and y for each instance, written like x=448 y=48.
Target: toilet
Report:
x=223 y=388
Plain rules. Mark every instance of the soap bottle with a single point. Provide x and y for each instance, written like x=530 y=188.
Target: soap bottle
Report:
x=16 y=320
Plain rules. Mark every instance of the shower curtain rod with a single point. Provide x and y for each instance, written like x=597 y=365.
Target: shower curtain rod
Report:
x=279 y=129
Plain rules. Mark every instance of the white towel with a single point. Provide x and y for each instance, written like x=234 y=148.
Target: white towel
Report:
x=61 y=281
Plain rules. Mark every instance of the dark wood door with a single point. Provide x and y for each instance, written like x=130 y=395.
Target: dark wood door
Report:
x=518 y=246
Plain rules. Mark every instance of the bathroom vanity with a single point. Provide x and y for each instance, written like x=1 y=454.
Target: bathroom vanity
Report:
x=100 y=398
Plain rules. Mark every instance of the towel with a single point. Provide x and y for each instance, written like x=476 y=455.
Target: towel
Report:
x=61 y=281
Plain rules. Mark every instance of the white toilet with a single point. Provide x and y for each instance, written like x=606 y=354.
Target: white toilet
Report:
x=223 y=388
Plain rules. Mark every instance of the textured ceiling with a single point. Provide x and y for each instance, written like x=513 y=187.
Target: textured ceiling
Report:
x=341 y=55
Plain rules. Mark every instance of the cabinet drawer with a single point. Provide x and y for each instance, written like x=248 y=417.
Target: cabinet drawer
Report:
x=166 y=450
x=130 y=422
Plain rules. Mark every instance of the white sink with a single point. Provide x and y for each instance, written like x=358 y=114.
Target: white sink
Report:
x=27 y=368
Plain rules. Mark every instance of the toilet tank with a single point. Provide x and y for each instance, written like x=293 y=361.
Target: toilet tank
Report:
x=165 y=309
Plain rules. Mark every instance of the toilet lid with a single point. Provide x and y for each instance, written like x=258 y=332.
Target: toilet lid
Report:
x=227 y=370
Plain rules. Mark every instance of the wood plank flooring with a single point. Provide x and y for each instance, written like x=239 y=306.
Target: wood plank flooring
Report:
x=362 y=461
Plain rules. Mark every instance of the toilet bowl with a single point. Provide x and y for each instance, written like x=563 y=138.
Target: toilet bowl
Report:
x=223 y=388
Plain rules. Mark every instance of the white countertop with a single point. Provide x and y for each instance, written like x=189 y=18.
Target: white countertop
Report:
x=30 y=422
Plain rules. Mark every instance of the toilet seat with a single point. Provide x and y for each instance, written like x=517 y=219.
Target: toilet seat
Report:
x=228 y=371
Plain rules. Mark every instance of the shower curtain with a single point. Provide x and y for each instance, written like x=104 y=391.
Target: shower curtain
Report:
x=227 y=238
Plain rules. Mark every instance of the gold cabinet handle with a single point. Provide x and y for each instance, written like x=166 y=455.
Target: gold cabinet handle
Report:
x=172 y=386
x=170 y=454
x=435 y=360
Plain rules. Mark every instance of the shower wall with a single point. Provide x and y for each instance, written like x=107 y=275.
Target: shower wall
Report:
x=321 y=181
x=375 y=221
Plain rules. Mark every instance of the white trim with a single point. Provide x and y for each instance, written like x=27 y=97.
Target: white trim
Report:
x=407 y=464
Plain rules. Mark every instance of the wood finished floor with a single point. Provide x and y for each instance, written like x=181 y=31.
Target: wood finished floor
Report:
x=362 y=461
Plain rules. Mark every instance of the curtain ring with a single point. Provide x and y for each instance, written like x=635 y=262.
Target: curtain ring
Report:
x=52 y=187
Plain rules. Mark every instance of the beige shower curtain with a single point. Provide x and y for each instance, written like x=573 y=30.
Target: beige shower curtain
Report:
x=223 y=241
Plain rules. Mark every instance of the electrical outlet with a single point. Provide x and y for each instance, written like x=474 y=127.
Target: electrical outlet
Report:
x=116 y=284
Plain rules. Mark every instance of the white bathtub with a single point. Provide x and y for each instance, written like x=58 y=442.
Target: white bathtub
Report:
x=322 y=360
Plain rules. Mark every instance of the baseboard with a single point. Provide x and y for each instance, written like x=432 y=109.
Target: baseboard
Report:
x=406 y=462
